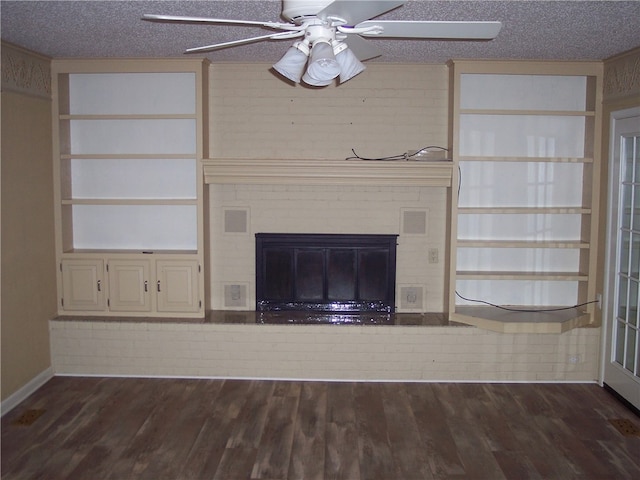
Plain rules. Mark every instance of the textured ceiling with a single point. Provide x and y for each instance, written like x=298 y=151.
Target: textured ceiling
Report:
x=564 y=30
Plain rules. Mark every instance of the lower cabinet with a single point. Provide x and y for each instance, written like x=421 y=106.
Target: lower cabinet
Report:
x=130 y=286
x=177 y=286
x=83 y=286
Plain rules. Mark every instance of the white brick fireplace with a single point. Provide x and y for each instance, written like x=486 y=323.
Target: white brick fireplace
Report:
x=403 y=198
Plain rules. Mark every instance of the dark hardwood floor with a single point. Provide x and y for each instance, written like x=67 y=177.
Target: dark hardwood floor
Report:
x=125 y=428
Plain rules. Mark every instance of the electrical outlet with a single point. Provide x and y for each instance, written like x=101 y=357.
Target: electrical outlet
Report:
x=573 y=359
x=433 y=255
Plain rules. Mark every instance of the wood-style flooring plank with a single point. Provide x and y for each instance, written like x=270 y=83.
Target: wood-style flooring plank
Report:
x=403 y=433
x=145 y=447
x=532 y=444
x=74 y=408
x=468 y=432
x=274 y=450
x=193 y=407
x=308 y=448
x=239 y=456
x=128 y=428
x=436 y=440
x=341 y=452
x=223 y=409
x=374 y=450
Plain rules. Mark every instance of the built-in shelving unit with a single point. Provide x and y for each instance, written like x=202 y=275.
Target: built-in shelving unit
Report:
x=525 y=139
x=128 y=145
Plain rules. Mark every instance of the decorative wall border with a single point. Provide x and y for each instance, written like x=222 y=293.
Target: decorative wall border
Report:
x=25 y=72
x=622 y=75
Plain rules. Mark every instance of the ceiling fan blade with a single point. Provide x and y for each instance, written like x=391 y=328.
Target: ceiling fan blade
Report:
x=433 y=29
x=358 y=11
x=361 y=48
x=233 y=43
x=173 y=18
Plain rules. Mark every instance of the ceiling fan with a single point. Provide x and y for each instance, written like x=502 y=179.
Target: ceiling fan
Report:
x=332 y=35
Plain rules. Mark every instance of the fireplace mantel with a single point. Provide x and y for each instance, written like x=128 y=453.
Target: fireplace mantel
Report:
x=327 y=172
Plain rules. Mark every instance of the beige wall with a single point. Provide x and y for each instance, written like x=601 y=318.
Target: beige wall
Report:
x=28 y=260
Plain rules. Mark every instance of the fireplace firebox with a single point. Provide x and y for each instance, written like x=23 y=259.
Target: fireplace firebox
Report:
x=346 y=273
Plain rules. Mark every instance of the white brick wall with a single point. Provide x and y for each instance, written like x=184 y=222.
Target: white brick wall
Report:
x=320 y=352
x=388 y=109
x=330 y=209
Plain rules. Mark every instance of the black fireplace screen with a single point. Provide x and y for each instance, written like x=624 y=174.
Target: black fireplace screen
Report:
x=325 y=272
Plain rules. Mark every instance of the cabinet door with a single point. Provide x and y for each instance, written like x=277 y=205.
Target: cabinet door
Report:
x=83 y=285
x=129 y=286
x=177 y=286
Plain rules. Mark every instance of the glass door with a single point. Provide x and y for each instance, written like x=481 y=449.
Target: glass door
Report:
x=622 y=348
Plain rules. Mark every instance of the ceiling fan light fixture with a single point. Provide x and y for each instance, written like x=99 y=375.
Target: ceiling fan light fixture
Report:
x=323 y=65
x=327 y=26
x=350 y=66
x=292 y=63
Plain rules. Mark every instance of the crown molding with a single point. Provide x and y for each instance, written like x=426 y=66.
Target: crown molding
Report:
x=622 y=75
x=25 y=72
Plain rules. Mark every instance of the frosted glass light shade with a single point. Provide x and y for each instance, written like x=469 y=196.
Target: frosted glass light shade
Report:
x=314 y=82
x=292 y=63
x=350 y=66
x=322 y=65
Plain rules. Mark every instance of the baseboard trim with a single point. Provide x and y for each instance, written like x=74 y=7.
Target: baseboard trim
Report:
x=27 y=389
x=336 y=380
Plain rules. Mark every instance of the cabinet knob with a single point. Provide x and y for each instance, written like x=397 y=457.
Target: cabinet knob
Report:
x=99 y=285
x=158 y=285
x=146 y=286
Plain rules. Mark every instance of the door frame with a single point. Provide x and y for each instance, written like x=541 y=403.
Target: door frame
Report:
x=611 y=374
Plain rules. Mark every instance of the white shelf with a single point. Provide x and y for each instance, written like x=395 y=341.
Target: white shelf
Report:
x=523 y=210
x=124 y=253
x=129 y=156
x=527 y=113
x=139 y=116
x=525 y=139
x=533 y=320
x=129 y=201
x=492 y=158
x=522 y=243
x=496 y=275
